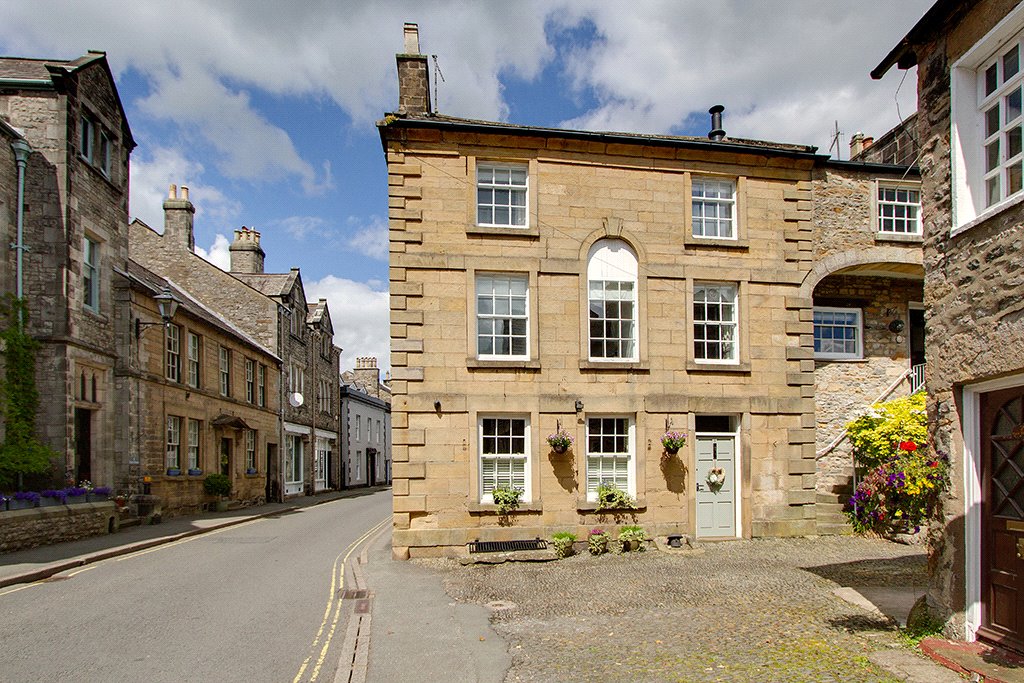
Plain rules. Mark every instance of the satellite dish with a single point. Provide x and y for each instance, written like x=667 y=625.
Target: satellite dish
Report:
x=295 y=399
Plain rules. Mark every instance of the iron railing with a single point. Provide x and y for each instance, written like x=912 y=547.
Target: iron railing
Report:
x=917 y=378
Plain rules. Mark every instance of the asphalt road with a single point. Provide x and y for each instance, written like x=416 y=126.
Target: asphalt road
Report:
x=252 y=602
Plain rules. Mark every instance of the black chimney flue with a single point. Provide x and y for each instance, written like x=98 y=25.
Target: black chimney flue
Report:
x=716 y=133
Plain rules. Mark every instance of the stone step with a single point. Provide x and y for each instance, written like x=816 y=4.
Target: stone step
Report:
x=834 y=529
x=825 y=498
x=829 y=508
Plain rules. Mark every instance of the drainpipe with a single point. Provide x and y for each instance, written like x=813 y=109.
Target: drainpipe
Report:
x=22 y=150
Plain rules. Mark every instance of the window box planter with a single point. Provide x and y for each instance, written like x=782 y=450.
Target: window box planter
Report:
x=75 y=500
x=194 y=472
x=250 y=471
x=74 y=495
x=23 y=500
x=51 y=498
x=173 y=472
x=100 y=494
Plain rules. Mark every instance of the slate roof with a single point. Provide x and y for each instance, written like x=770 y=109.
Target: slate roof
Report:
x=271 y=284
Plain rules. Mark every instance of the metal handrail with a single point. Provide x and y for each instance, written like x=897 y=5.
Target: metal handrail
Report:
x=917 y=377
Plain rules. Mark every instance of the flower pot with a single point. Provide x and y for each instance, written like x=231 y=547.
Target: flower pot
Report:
x=630 y=545
x=17 y=504
x=173 y=472
x=250 y=471
x=222 y=506
x=671 y=450
x=560 y=449
x=47 y=501
x=75 y=500
x=194 y=472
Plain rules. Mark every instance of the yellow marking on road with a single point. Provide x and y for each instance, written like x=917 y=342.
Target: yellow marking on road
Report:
x=21 y=588
x=79 y=571
x=42 y=581
x=337 y=589
x=187 y=539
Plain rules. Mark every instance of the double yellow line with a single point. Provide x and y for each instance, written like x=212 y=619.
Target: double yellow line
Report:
x=334 y=601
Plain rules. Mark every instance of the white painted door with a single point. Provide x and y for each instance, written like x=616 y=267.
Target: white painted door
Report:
x=716 y=505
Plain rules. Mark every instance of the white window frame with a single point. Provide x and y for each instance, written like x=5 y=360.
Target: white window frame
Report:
x=502 y=299
x=194 y=429
x=858 y=328
x=713 y=196
x=224 y=360
x=597 y=459
x=105 y=155
x=250 y=380
x=297 y=379
x=293 y=462
x=903 y=206
x=194 y=351
x=491 y=457
x=728 y=299
x=261 y=384
x=967 y=135
x=358 y=422
x=497 y=178
x=86 y=140
x=172 y=370
x=91 y=274
x=612 y=280
x=250 y=449
x=173 y=458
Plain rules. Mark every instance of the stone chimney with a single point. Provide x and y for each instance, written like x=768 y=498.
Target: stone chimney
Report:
x=367 y=375
x=246 y=253
x=413 y=75
x=178 y=216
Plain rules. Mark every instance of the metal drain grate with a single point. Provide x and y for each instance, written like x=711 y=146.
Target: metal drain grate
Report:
x=506 y=546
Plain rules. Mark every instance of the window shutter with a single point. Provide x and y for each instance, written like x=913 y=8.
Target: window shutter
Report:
x=487 y=474
x=519 y=474
x=593 y=474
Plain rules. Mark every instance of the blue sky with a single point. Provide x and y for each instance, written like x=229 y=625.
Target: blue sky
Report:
x=266 y=109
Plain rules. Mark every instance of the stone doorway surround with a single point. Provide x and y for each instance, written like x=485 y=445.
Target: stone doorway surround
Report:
x=971 y=425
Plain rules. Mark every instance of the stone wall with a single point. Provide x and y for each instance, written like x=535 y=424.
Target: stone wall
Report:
x=34 y=527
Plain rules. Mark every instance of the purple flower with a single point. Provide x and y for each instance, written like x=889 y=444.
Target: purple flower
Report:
x=27 y=495
x=73 y=491
x=59 y=494
x=102 y=491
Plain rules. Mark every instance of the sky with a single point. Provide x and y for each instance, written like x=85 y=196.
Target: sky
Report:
x=266 y=110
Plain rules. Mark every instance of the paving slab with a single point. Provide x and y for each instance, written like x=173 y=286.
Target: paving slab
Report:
x=978 y=660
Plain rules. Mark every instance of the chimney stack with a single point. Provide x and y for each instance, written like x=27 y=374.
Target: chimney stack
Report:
x=413 y=75
x=367 y=375
x=246 y=253
x=178 y=217
x=716 y=134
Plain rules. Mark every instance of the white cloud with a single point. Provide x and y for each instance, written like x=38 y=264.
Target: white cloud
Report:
x=361 y=316
x=302 y=227
x=370 y=239
x=219 y=253
x=152 y=173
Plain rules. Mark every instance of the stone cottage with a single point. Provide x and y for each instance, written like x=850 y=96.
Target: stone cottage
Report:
x=66 y=142
x=617 y=287
x=968 y=54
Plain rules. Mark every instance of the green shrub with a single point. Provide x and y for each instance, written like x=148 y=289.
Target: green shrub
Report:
x=611 y=498
x=563 y=542
x=875 y=434
x=217 y=485
x=632 y=532
x=597 y=542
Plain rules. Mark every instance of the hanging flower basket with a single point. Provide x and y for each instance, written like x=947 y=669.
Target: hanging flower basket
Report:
x=560 y=442
x=672 y=441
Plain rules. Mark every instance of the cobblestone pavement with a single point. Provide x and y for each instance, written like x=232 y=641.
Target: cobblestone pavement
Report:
x=758 y=611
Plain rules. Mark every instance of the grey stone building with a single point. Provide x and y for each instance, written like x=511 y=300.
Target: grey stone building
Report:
x=272 y=308
x=968 y=55
x=365 y=425
x=74 y=215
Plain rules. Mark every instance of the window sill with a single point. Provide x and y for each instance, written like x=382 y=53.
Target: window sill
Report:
x=599 y=365
x=693 y=366
x=906 y=238
x=511 y=364
x=714 y=242
x=477 y=508
x=989 y=213
x=531 y=232
x=819 y=359
x=583 y=505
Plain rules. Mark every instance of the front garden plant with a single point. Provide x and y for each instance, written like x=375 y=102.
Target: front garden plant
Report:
x=563 y=542
x=506 y=498
x=610 y=497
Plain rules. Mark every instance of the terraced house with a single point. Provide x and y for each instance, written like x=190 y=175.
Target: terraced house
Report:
x=616 y=287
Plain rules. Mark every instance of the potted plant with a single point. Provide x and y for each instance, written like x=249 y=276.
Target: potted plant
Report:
x=51 y=497
x=218 y=485
x=609 y=497
x=632 y=537
x=563 y=542
x=250 y=471
x=23 y=500
x=100 y=494
x=597 y=541
x=173 y=472
x=75 y=494
x=672 y=441
x=195 y=472
x=560 y=441
x=506 y=498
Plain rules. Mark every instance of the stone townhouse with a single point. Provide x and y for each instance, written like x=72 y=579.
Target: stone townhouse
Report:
x=70 y=157
x=616 y=287
x=365 y=425
x=968 y=54
x=200 y=396
x=272 y=309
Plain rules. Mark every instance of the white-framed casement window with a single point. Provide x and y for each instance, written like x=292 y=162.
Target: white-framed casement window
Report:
x=250 y=449
x=502 y=316
x=261 y=384
x=250 y=380
x=898 y=209
x=838 y=332
x=91 y=274
x=224 y=355
x=380 y=433
x=297 y=379
x=358 y=422
x=194 y=347
x=87 y=132
x=504 y=461
x=104 y=156
x=986 y=113
x=610 y=454
x=714 y=208
x=501 y=195
x=193 y=443
x=612 y=271
x=173 y=353
x=715 y=323
x=173 y=442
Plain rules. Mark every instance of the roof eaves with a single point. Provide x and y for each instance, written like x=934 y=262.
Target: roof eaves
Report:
x=904 y=55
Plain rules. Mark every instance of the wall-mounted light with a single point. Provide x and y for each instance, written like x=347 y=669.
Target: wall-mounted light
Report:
x=579 y=406
x=167 y=304
x=896 y=326
x=437 y=406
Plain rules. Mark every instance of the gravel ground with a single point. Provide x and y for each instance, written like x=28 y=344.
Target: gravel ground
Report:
x=758 y=611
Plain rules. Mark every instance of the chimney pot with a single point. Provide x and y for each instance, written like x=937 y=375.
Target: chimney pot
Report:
x=716 y=133
x=173 y=192
x=184 y=192
x=412 y=39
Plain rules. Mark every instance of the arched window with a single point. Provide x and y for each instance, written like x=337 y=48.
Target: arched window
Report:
x=612 y=293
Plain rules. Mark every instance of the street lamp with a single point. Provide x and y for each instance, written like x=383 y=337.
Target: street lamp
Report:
x=167 y=304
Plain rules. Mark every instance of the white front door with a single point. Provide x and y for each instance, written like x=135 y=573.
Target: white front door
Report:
x=320 y=465
x=293 y=480
x=716 y=504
